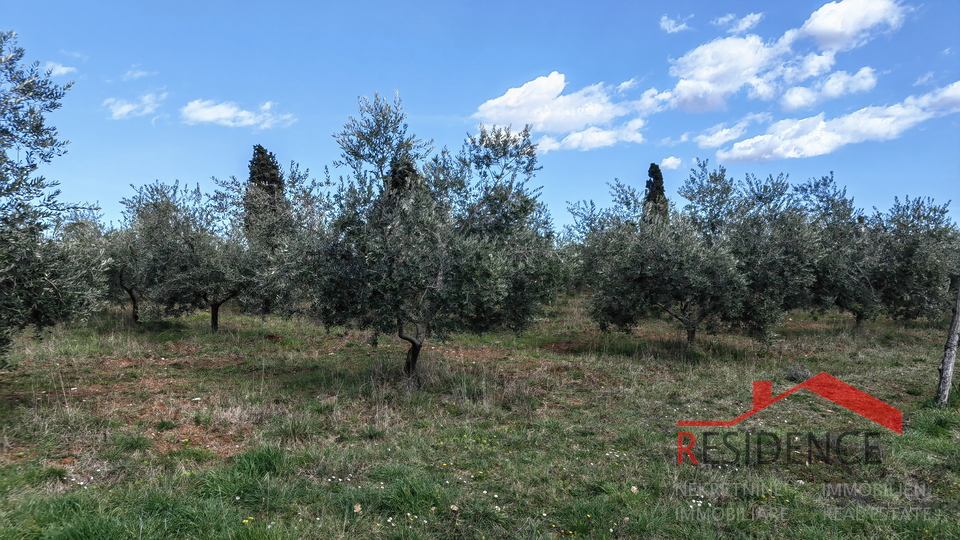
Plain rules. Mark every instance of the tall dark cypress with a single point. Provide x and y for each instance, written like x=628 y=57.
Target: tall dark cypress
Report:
x=655 y=200
x=263 y=200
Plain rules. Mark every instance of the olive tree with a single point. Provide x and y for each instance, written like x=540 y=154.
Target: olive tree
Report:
x=270 y=214
x=597 y=235
x=918 y=244
x=419 y=247
x=176 y=254
x=846 y=272
x=40 y=283
x=512 y=264
x=645 y=262
x=766 y=228
x=777 y=252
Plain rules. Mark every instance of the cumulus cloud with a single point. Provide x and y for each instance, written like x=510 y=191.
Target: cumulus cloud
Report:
x=57 y=70
x=594 y=137
x=711 y=72
x=814 y=136
x=540 y=103
x=707 y=76
x=671 y=26
x=670 y=163
x=848 y=24
x=144 y=105
x=720 y=134
x=802 y=68
x=586 y=119
x=837 y=84
x=229 y=114
x=735 y=25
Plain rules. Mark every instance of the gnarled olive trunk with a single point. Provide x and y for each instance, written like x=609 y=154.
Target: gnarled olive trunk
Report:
x=416 y=343
x=135 y=311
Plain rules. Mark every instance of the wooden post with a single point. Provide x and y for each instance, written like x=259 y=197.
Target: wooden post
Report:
x=949 y=357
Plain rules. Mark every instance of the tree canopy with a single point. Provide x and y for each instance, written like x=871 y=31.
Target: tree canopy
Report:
x=40 y=282
x=419 y=247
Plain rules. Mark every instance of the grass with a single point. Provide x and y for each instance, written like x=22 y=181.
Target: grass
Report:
x=114 y=431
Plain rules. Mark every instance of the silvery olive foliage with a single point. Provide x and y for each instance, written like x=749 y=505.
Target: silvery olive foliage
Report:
x=776 y=251
x=273 y=212
x=743 y=254
x=175 y=253
x=419 y=245
x=42 y=277
x=846 y=272
x=644 y=261
x=919 y=246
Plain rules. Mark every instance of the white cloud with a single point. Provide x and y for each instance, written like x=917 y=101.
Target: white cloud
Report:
x=594 y=137
x=924 y=79
x=57 y=70
x=811 y=65
x=586 y=119
x=146 y=104
x=737 y=26
x=723 y=21
x=814 y=136
x=720 y=134
x=670 y=163
x=713 y=71
x=673 y=142
x=798 y=97
x=134 y=73
x=707 y=77
x=841 y=82
x=746 y=23
x=539 y=103
x=837 y=84
x=626 y=85
x=652 y=101
x=848 y=24
x=671 y=26
x=229 y=114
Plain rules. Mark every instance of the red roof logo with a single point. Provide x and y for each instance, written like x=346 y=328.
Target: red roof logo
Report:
x=826 y=386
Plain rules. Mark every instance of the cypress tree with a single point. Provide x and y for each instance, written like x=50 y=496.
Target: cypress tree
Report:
x=263 y=200
x=655 y=200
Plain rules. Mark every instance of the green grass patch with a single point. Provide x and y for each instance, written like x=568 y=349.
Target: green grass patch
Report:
x=110 y=430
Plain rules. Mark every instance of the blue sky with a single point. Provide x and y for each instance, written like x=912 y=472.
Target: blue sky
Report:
x=869 y=89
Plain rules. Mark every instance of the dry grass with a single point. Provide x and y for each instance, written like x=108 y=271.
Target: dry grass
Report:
x=186 y=433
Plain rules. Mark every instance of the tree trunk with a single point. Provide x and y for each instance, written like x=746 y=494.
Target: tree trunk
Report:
x=135 y=311
x=691 y=334
x=416 y=343
x=949 y=357
x=215 y=316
